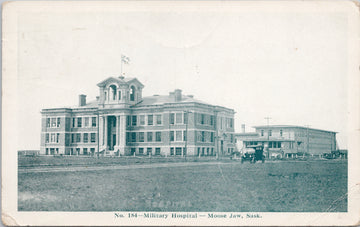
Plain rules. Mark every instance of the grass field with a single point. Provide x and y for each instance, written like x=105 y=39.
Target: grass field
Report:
x=56 y=161
x=313 y=186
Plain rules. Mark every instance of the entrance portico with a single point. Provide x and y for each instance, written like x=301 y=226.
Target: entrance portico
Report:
x=112 y=133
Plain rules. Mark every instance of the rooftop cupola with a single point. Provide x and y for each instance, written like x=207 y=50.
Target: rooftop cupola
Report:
x=120 y=92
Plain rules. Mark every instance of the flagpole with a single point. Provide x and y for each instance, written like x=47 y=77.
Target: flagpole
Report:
x=125 y=60
x=121 y=73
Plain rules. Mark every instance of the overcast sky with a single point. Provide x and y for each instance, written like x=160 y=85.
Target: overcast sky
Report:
x=290 y=66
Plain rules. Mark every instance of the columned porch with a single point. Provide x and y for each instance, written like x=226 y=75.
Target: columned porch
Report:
x=112 y=130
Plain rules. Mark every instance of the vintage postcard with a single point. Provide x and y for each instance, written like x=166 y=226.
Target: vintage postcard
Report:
x=181 y=113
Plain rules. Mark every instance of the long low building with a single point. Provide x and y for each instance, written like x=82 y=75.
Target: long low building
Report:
x=289 y=140
x=122 y=122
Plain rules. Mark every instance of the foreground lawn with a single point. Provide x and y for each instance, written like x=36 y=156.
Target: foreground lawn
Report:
x=314 y=186
x=58 y=161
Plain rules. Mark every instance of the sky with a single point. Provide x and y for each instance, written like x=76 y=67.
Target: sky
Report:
x=290 y=66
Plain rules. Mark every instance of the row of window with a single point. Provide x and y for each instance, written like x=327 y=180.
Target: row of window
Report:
x=178 y=135
x=204 y=136
x=281 y=133
x=177 y=151
x=178 y=118
x=227 y=122
x=147 y=151
x=52 y=137
x=230 y=122
x=156 y=119
x=207 y=119
x=157 y=151
x=53 y=122
x=135 y=120
x=133 y=137
x=150 y=119
x=71 y=151
x=274 y=144
x=51 y=151
x=250 y=143
x=174 y=151
x=270 y=132
x=83 y=137
x=79 y=122
x=79 y=151
x=75 y=137
x=205 y=151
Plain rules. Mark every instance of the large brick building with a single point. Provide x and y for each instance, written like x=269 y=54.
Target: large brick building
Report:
x=289 y=140
x=122 y=122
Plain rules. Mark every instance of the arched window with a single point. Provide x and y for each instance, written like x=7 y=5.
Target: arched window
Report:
x=132 y=93
x=113 y=92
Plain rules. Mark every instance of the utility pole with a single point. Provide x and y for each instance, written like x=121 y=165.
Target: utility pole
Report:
x=98 y=136
x=268 y=136
x=216 y=134
x=169 y=137
x=186 y=130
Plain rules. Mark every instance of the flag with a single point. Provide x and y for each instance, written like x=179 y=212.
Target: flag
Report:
x=125 y=59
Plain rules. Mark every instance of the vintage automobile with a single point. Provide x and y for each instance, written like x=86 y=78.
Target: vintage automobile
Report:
x=253 y=153
x=329 y=155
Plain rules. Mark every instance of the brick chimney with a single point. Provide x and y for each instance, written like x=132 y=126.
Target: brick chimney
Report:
x=177 y=95
x=82 y=100
x=243 y=128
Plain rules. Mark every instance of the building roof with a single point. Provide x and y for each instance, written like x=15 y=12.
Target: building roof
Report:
x=290 y=126
x=162 y=99
x=175 y=97
x=151 y=100
x=154 y=100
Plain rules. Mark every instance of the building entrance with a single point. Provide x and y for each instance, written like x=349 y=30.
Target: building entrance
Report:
x=111 y=132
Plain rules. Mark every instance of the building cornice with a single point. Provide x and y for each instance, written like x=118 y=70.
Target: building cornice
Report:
x=289 y=126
